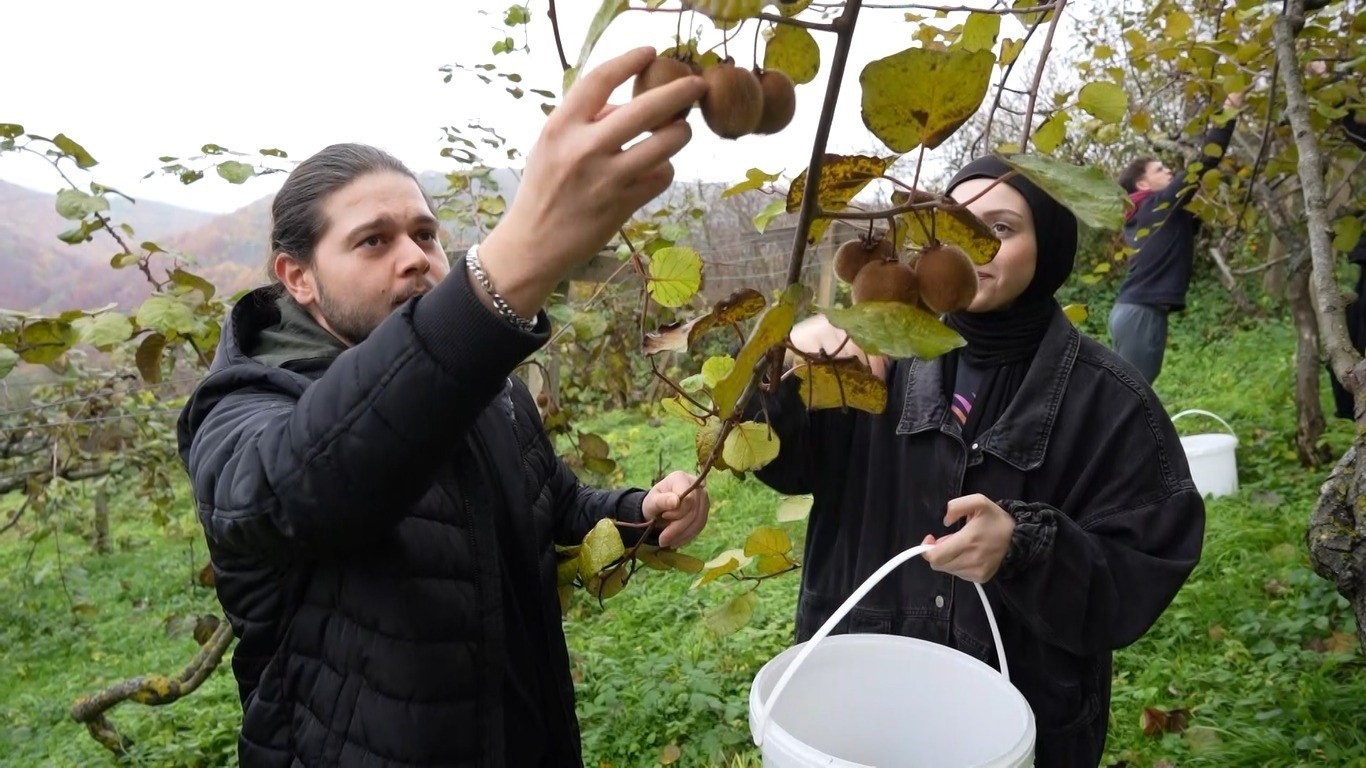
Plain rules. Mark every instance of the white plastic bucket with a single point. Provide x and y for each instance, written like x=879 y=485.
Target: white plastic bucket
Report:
x=1211 y=457
x=884 y=701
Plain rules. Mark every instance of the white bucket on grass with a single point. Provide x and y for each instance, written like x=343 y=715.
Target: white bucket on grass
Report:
x=886 y=701
x=1214 y=467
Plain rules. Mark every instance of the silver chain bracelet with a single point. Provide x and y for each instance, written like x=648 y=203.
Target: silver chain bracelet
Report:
x=504 y=309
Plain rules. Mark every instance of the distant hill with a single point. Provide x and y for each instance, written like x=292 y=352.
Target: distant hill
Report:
x=38 y=272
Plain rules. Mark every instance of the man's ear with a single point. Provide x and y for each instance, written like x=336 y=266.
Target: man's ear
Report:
x=297 y=279
x=1141 y=185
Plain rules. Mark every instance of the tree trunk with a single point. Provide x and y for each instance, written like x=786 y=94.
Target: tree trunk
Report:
x=1337 y=538
x=1308 y=367
x=101 y=538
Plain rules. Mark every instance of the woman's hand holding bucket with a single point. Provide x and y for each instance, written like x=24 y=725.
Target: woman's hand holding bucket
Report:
x=973 y=553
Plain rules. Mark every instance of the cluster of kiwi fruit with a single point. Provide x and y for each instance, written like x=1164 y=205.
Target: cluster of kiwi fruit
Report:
x=940 y=278
x=738 y=102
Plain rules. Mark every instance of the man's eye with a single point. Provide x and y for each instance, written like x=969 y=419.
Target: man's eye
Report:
x=426 y=235
x=372 y=241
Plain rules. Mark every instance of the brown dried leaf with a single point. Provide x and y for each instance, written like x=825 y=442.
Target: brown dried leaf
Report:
x=206 y=578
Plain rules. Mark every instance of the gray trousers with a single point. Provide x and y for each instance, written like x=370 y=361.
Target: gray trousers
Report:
x=1139 y=332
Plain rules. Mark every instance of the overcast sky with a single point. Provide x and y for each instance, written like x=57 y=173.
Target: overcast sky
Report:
x=134 y=81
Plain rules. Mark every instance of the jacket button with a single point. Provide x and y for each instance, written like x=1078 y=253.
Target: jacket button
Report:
x=938 y=601
x=974 y=446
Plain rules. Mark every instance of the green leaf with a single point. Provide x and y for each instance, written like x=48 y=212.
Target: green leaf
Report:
x=717 y=368
x=193 y=282
x=601 y=547
x=675 y=275
x=11 y=131
x=768 y=541
x=795 y=509
x=895 y=329
x=1105 y=101
x=44 y=341
x=734 y=615
x=842 y=177
x=770 y=211
x=771 y=330
x=922 y=96
x=122 y=260
x=980 y=31
x=148 y=358
x=750 y=446
x=516 y=15
x=104 y=330
x=705 y=442
x=1010 y=50
x=1051 y=133
x=235 y=172
x=607 y=12
x=794 y=52
x=76 y=151
x=593 y=446
x=754 y=179
x=8 y=359
x=840 y=384
x=167 y=316
x=76 y=205
x=1092 y=196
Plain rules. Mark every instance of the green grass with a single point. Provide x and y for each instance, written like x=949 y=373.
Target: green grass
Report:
x=1240 y=648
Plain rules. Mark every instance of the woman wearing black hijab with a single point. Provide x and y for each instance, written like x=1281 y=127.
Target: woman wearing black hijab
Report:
x=1039 y=463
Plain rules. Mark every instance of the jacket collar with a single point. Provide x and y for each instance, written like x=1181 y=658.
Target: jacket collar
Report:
x=1020 y=436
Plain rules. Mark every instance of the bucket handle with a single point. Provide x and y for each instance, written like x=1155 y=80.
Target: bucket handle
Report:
x=766 y=707
x=1191 y=411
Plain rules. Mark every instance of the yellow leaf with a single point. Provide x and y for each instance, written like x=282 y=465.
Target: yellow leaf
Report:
x=956 y=226
x=980 y=31
x=1051 y=133
x=727 y=562
x=1141 y=121
x=601 y=547
x=793 y=8
x=793 y=51
x=676 y=406
x=921 y=96
x=707 y=434
x=670 y=754
x=1106 y=101
x=772 y=329
x=754 y=179
x=717 y=368
x=794 y=509
x=1178 y=25
x=895 y=329
x=767 y=565
x=842 y=177
x=675 y=275
x=1077 y=313
x=750 y=446
x=768 y=541
x=604 y=587
x=841 y=383
x=679 y=561
x=1010 y=50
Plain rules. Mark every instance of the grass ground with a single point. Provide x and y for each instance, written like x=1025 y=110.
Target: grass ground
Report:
x=1259 y=650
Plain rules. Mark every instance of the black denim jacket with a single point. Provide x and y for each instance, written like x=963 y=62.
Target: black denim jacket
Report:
x=1109 y=524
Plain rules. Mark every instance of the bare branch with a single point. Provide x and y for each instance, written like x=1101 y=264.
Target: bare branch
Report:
x=153 y=690
x=1038 y=74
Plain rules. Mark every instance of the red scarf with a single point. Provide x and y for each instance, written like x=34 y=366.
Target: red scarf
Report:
x=1137 y=199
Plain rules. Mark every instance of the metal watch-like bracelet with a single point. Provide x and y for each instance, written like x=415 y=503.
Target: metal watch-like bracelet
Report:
x=504 y=309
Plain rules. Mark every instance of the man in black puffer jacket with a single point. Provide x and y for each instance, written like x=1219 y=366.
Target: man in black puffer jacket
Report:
x=378 y=494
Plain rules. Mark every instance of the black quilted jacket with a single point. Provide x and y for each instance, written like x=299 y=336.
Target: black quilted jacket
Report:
x=348 y=498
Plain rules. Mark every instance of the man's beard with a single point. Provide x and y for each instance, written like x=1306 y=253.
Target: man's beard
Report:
x=351 y=323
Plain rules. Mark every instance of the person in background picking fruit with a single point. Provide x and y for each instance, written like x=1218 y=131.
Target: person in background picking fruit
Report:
x=380 y=500
x=1162 y=232
x=1032 y=459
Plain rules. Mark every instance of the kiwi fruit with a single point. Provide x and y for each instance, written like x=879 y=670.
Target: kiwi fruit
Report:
x=734 y=102
x=662 y=71
x=854 y=254
x=780 y=101
x=885 y=281
x=948 y=278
